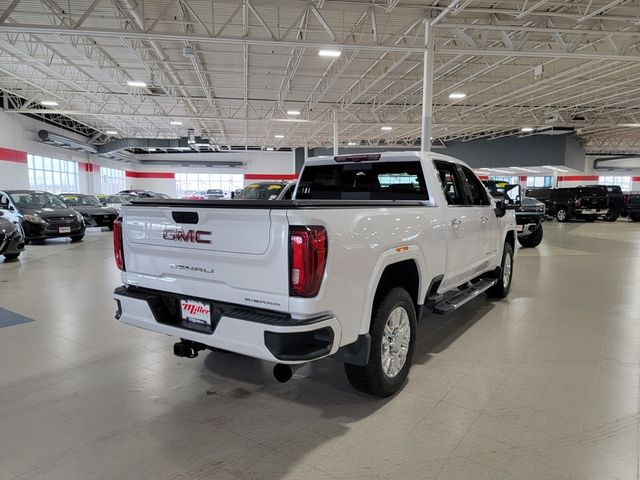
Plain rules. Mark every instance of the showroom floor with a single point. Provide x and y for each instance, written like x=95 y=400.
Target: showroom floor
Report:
x=544 y=385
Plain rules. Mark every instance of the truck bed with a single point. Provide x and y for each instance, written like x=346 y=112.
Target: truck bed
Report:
x=276 y=204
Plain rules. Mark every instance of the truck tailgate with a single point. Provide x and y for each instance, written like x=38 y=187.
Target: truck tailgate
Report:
x=229 y=255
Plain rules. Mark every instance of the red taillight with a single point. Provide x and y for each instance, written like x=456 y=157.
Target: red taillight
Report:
x=307 y=257
x=117 y=243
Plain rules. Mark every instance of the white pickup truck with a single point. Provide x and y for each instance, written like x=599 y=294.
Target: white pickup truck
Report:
x=343 y=270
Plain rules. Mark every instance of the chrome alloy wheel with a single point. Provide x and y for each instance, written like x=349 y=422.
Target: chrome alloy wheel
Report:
x=562 y=215
x=506 y=270
x=395 y=342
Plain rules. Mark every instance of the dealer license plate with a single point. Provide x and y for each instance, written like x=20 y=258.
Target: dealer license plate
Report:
x=196 y=312
x=64 y=230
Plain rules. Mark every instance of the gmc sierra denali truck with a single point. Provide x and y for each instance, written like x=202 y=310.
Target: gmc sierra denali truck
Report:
x=344 y=269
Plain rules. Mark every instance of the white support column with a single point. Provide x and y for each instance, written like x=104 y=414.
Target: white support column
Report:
x=427 y=87
x=335 y=133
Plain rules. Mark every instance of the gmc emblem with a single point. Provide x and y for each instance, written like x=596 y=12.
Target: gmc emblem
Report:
x=179 y=235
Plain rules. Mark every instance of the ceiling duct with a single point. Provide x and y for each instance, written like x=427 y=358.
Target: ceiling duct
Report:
x=146 y=143
x=195 y=163
x=65 y=142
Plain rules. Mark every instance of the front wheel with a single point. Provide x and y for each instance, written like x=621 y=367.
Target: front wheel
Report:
x=562 y=214
x=393 y=332
x=502 y=287
x=533 y=239
x=612 y=215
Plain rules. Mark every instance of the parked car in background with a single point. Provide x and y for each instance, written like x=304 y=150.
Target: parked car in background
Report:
x=114 y=201
x=632 y=201
x=11 y=238
x=41 y=215
x=214 y=194
x=94 y=213
x=267 y=191
x=529 y=216
x=138 y=193
x=194 y=196
x=617 y=205
x=583 y=202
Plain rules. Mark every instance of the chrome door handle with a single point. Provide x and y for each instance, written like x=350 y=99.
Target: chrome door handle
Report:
x=455 y=222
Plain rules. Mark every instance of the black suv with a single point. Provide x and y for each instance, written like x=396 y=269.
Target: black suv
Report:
x=529 y=216
x=583 y=202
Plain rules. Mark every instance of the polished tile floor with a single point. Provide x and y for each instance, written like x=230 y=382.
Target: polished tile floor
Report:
x=544 y=385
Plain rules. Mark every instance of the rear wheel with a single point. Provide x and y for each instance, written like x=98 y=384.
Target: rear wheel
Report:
x=393 y=332
x=503 y=286
x=612 y=215
x=533 y=239
x=562 y=214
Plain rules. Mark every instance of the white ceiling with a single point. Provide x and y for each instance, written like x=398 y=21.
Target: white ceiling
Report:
x=251 y=61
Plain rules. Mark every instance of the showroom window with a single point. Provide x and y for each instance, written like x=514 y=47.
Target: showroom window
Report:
x=509 y=180
x=188 y=183
x=112 y=180
x=623 y=182
x=52 y=174
x=540 y=181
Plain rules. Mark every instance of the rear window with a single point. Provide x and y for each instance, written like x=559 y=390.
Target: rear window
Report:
x=363 y=181
x=539 y=193
x=592 y=191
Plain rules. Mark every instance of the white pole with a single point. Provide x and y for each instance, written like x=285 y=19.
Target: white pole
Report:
x=427 y=87
x=335 y=133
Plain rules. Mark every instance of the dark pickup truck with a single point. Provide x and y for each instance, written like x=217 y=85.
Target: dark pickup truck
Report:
x=632 y=202
x=583 y=202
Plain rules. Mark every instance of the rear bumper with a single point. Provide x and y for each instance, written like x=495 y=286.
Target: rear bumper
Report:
x=255 y=333
x=591 y=211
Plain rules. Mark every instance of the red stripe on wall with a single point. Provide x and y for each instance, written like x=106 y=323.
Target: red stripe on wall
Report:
x=88 y=167
x=523 y=179
x=579 y=178
x=270 y=176
x=635 y=179
x=9 y=155
x=131 y=174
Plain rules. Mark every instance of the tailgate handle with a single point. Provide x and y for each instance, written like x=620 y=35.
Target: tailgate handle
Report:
x=185 y=217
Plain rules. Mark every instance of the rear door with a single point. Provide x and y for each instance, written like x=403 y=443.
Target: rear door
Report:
x=236 y=255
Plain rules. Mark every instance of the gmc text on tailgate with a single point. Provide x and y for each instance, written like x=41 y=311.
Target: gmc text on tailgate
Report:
x=344 y=270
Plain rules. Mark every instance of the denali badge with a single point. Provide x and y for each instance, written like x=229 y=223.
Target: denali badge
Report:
x=187 y=268
x=193 y=236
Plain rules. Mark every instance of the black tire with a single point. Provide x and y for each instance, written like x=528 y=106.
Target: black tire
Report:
x=76 y=238
x=562 y=214
x=533 y=239
x=635 y=217
x=12 y=256
x=503 y=286
x=372 y=378
x=612 y=215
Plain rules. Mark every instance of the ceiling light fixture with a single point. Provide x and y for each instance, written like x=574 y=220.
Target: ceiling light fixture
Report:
x=111 y=132
x=386 y=129
x=351 y=144
x=175 y=123
x=293 y=112
x=526 y=129
x=457 y=95
x=330 y=53
x=278 y=136
x=151 y=149
x=136 y=83
x=49 y=103
x=269 y=149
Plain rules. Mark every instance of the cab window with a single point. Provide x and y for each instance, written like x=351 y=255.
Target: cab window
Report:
x=475 y=191
x=450 y=182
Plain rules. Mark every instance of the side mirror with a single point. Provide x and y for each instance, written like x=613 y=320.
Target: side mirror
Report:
x=512 y=196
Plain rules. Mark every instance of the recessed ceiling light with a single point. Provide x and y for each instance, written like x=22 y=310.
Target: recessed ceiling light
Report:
x=330 y=53
x=49 y=103
x=293 y=112
x=270 y=149
x=457 y=95
x=111 y=132
x=526 y=129
x=278 y=136
x=151 y=149
x=175 y=123
x=621 y=124
x=351 y=144
x=386 y=129
x=136 y=83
